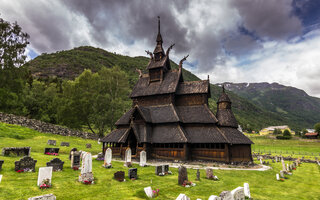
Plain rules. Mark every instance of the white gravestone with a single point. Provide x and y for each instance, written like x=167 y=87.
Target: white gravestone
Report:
x=214 y=197
x=108 y=158
x=238 y=193
x=86 y=163
x=246 y=190
x=226 y=195
x=128 y=157
x=276 y=159
x=278 y=177
x=261 y=161
x=0 y=178
x=44 y=173
x=43 y=197
x=143 y=158
x=148 y=191
x=288 y=169
x=182 y=197
x=283 y=165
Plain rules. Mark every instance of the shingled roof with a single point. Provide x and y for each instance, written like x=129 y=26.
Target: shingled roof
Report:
x=115 y=135
x=204 y=134
x=167 y=86
x=168 y=134
x=196 y=114
x=226 y=118
x=193 y=87
x=234 y=136
x=156 y=64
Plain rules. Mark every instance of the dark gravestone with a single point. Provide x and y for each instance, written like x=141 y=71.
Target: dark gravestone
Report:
x=158 y=170
x=25 y=163
x=133 y=173
x=119 y=176
x=75 y=159
x=73 y=149
x=52 y=142
x=65 y=144
x=183 y=175
x=165 y=169
x=1 y=162
x=56 y=164
x=51 y=150
x=16 y=151
x=209 y=174
x=88 y=146
x=198 y=174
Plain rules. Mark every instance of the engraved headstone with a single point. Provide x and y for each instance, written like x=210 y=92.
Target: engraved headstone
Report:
x=0 y=178
x=276 y=158
x=108 y=158
x=165 y=169
x=65 y=144
x=16 y=151
x=128 y=157
x=148 y=191
x=1 y=163
x=56 y=164
x=238 y=193
x=86 y=168
x=278 y=177
x=51 y=151
x=88 y=146
x=226 y=195
x=73 y=149
x=288 y=167
x=119 y=176
x=183 y=175
x=143 y=158
x=246 y=190
x=214 y=197
x=43 y=197
x=283 y=165
x=75 y=159
x=133 y=173
x=52 y=142
x=44 y=173
x=182 y=197
x=25 y=164
x=198 y=174
x=158 y=170
x=261 y=161
x=209 y=173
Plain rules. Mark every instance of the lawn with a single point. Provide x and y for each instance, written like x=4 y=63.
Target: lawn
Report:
x=304 y=184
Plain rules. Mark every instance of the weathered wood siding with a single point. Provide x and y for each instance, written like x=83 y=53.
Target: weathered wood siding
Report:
x=240 y=152
x=168 y=153
x=192 y=99
x=154 y=100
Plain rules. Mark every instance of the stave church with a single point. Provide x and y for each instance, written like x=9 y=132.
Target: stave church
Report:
x=170 y=118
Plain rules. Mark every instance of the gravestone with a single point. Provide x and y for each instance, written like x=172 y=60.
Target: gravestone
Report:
x=182 y=197
x=73 y=149
x=278 y=177
x=119 y=176
x=273 y=161
x=86 y=168
x=209 y=173
x=52 y=142
x=1 y=163
x=128 y=157
x=43 y=197
x=65 y=144
x=56 y=164
x=133 y=173
x=261 y=161
x=143 y=158
x=282 y=174
x=16 y=151
x=148 y=191
x=0 y=178
x=183 y=175
x=288 y=167
x=26 y=164
x=108 y=158
x=246 y=190
x=276 y=158
x=165 y=169
x=88 y=146
x=51 y=150
x=75 y=159
x=158 y=170
x=44 y=173
x=226 y=195
x=214 y=197
x=283 y=165
x=198 y=174
x=238 y=193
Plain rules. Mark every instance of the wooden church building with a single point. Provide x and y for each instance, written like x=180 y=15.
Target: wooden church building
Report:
x=170 y=118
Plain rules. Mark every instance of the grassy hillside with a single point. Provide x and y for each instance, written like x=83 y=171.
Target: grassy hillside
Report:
x=263 y=185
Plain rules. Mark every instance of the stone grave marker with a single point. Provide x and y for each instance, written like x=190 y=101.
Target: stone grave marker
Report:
x=226 y=195
x=50 y=151
x=246 y=190
x=88 y=146
x=261 y=161
x=56 y=164
x=143 y=159
x=209 y=173
x=128 y=157
x=182 y=197
x=133 y=173
x=214 y=197
x=108 y=158
x=1 y=163
x=165 y=169
x=73 y=149
x=65 y=144
x=44 y=173
x=52 y=142
x=119 y=176
x=148 y=191
x=278 y=177
x=273 y=161
x=75 y=159
x=238 y=193
x=86 y=168
x=288 y=167
x=276 y=158
x=0 y=178
x=183 y=175
x=26 y=164
x=283 y=165
x=16 y=151
x=158 y=170
x=198 y=174
x=282 y=174
x=43 y=197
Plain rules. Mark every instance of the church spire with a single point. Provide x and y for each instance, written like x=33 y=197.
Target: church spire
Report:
x=159 y=37
x=158 y=51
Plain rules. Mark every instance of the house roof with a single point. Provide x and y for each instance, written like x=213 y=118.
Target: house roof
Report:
x=226 y=118
x=311 y=134
x=193 y=87
x=204 y=134
x=115 y=135
x=167 y=86
x=234 y=136
x=196 y=114
x=168 y=134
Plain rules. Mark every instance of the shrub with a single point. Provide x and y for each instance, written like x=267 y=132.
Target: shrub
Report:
x=286 y=133
x=281 y=137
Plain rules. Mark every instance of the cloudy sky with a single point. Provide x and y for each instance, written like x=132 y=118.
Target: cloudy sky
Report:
x=231 y=40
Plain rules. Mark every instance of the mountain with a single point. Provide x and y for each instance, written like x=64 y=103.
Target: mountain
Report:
x=69 y=64
x=295 y=106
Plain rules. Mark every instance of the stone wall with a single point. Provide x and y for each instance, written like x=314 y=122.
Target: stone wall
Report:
x=44 y=127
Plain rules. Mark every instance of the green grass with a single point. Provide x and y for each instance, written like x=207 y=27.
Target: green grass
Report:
x=304 y=184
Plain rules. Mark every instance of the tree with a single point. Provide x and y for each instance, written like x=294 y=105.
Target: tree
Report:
x=286 y=133
x=317 y=127
x=303 y=132
x=277 y=131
